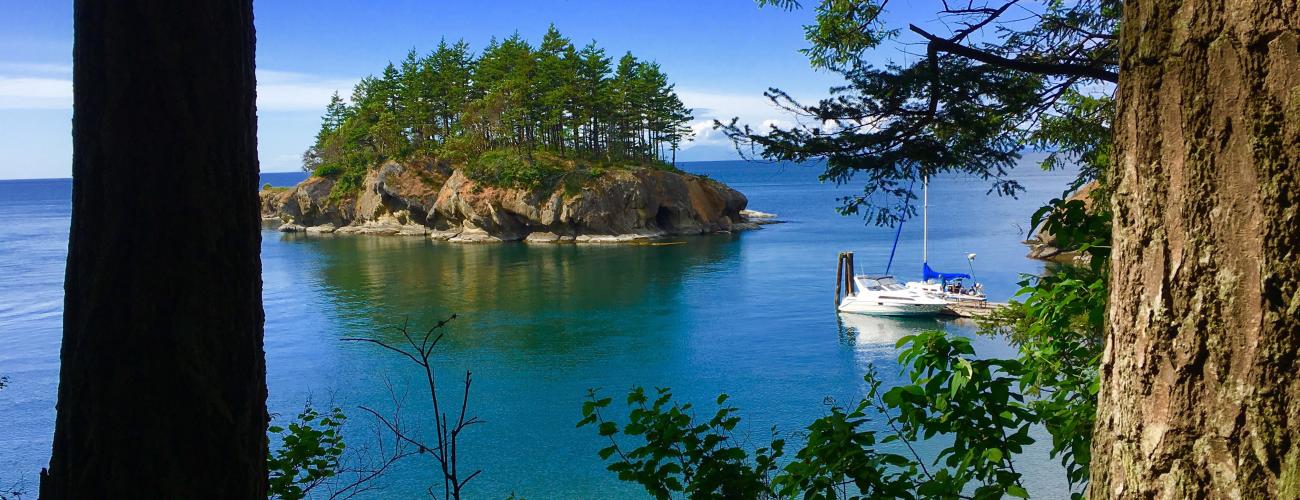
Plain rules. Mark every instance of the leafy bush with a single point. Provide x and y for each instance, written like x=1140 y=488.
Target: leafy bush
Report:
x=678 y=454
x=510 y=168
x=459 y=149
x=1058 y=330
x=308 y=454
x=348 y=174
x=348 y=182
x=972 y=404
x=328 y=170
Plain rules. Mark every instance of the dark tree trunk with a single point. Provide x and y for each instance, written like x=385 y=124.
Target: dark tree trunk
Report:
x=1200 y=389
x=162 y=390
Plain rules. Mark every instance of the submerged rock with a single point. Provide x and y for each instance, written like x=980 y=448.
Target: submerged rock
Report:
x=542 y=237
x=433 y=199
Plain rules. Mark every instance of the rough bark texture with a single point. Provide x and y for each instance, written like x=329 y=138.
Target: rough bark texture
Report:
x=162 y=389
x=1200 y=390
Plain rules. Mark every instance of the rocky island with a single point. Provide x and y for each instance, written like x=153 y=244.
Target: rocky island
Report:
x=546 y=143
x=434 y=199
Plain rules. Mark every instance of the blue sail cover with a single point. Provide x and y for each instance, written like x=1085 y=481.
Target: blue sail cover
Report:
x=928 y=274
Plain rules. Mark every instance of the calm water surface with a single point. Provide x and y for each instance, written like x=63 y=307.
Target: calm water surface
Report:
x=749 y=314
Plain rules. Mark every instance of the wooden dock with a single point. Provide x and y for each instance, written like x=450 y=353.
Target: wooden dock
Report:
x=972 y=309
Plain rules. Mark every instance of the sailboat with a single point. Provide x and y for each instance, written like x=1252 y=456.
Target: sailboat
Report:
x=946 y=286
x=882 y=295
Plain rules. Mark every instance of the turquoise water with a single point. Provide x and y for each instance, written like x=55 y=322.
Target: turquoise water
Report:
x=749 y=314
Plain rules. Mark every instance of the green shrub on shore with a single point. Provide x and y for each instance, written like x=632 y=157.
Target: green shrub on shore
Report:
x=509 y=168
x=328 y=170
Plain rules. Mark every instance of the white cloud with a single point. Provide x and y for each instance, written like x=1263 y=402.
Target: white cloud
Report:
x=778 y=123
x=288 y=91
x=724 y=106
x=23 y=86
x=35 y=93
x=703 y=134
x=24 y=68
x=752 y=109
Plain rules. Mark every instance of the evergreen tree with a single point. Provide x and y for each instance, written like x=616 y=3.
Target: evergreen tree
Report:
x=591 y=96
x=623 y=106
x=557 y=74
x=335 y=112
x=553 y=98
x=415 y=100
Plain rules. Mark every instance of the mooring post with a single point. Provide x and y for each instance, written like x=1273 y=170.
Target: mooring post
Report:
x=839 y=276
x=848 y=274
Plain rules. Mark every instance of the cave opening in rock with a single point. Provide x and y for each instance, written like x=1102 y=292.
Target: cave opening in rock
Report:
x=664 y=219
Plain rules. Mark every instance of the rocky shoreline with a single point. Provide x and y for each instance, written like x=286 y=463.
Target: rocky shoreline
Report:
x=432 y=199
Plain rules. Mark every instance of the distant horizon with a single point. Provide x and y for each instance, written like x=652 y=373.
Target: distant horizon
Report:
x=300 y=171
x=1025 y=155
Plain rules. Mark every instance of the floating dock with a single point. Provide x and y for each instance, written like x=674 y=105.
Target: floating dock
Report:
x=972 y=309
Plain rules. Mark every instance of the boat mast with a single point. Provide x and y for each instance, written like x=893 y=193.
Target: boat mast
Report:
x=925 y=220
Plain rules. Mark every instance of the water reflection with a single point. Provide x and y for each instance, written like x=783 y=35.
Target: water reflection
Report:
x=528 y=296
x=875 y=337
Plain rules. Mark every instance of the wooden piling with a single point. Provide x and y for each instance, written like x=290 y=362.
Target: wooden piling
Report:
x=839 y=276
x=843 y=275
x=848 y=278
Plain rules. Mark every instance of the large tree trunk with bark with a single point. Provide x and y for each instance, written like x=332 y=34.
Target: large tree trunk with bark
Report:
x=1200 y=389
x=162 y=390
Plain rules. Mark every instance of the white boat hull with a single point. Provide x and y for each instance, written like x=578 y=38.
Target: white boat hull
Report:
x=856 y=305
x=883 y=296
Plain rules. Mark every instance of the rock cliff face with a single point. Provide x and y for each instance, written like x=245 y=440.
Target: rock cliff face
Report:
x=436 y=200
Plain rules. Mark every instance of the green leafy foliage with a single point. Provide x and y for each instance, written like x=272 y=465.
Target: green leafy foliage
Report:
x=1058 y=321
x=974 y=403
x=996 y=80
x=679 y=455
x=512 y=101
x=1058 y=332
x=1078 y=228
x=1058 y=326
x=976 y=407
x=504 y=167
x=308 y=455
x=1077 y=133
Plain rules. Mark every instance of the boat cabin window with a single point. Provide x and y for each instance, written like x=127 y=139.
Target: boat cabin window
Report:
x=881 y=284
x=869 y=284
x=889 y=283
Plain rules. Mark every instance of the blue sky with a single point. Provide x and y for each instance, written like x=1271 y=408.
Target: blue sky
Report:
x=722 y=54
